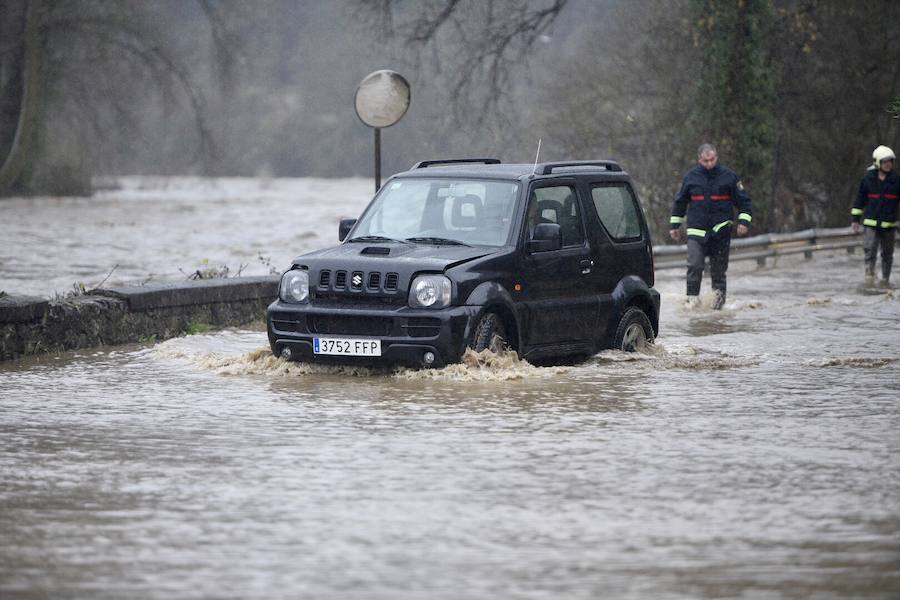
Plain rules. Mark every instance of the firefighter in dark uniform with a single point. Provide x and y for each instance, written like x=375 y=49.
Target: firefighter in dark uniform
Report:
x=705 y=204
x=876 y=206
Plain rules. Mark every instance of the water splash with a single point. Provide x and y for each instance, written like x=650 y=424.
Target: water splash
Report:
x=706 y=303
x=260 y=362
x=475 y=366
x=484 y=366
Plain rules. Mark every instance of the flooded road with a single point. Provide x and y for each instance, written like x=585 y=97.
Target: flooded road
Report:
x=754 y=453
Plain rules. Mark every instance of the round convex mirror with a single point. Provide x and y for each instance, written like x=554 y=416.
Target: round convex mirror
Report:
x=382 y=98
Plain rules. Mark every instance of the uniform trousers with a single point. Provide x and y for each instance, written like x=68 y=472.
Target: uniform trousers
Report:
x=716 y=247
x=873 y=238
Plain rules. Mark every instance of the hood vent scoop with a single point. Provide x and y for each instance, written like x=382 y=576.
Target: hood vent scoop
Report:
x=376 y=250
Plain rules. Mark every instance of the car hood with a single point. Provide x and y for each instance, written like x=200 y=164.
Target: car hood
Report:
x=400 y=258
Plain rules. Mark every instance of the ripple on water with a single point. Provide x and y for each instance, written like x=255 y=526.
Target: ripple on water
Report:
x=860 y=362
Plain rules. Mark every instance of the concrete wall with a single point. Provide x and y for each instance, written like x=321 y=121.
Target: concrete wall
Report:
x=30 y=325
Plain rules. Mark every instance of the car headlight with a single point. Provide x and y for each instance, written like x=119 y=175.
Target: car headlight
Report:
x=430 y=291
x=294 y=286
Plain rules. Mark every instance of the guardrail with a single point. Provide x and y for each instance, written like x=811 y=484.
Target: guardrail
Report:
x=770 y=245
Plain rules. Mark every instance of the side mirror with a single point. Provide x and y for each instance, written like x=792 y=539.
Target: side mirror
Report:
x=546 y=238
x=344 y=228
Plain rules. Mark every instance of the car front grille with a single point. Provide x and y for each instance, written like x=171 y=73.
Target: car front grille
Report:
x=357 y=284
x=422 y=327
x=349 y=325
x=285 y=321
x=338 y=300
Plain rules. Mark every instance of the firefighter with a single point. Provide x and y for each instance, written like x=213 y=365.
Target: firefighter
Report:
x=876 y=206
x=706 y=202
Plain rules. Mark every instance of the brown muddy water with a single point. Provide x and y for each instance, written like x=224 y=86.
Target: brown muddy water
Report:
x=754 y=453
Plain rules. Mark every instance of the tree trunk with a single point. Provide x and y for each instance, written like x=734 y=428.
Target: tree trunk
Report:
x=26 y=129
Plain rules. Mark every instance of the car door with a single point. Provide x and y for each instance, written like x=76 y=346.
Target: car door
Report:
x=560 y=307
x=619 y=240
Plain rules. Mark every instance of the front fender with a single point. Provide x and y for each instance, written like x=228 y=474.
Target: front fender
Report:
x=493 y=295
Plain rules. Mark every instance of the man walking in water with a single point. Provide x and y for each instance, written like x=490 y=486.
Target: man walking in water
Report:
x=705 y=204
x=876 y=205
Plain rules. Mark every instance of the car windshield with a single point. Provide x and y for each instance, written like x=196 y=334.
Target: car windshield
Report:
x=441 y=212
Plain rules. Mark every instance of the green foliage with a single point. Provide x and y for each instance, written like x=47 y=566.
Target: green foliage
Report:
x=895 y=108
x=147 y=339
x=195 y=328
x=735 y=105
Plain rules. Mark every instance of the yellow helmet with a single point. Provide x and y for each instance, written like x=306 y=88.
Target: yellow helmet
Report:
x=882 y=153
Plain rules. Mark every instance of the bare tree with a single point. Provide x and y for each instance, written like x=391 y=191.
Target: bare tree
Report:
x=87 y=68
x=475 y=45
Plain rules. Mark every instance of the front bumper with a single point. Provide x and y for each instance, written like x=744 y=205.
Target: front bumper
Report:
x=406 y=334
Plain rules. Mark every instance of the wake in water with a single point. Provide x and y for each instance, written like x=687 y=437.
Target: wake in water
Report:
x=658 y=357
x=860 y=362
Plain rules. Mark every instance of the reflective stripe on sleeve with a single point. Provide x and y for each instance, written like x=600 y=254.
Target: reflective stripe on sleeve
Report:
x=721 y=225
x=719 y=197
x=745 y=217
x=676 y=220
x=870 y=222
x=695 y=198
x=697 y=232
x=888 y=224
x=855 y=212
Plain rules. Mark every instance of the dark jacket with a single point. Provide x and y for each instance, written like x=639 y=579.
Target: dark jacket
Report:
x=707 y=200
x=876 y=202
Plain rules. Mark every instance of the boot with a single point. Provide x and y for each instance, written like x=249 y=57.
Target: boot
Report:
x=719 y=302
x=870 y=278
x=691 y=302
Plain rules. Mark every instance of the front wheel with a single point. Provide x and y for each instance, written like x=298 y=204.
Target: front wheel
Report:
x=489 y=334
x=634 y=332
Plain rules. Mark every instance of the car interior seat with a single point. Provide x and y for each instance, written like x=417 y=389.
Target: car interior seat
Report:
x=549 y=210
x=467 y=212
x=570 y=225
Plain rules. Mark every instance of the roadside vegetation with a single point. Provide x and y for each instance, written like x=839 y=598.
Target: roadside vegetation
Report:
x=795 y=93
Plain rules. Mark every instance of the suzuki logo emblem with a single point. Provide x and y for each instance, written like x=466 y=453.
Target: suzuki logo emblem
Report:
x=357 y=280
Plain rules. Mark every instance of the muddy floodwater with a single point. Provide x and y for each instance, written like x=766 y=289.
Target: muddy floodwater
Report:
x=754 y=453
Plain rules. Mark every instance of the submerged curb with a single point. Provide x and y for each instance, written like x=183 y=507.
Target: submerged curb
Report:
x=31 y=325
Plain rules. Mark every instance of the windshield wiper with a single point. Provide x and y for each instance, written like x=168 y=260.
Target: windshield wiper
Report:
x=375 y=238
x=437 y=241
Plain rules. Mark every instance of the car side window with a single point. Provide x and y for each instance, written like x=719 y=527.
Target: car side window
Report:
x=557 y=204
x=617 y=210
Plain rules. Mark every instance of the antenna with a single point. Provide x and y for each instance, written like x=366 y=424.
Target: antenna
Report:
x=536 y=156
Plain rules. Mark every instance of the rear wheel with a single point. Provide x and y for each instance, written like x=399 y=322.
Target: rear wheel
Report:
x=489 y=334
x=634 y=332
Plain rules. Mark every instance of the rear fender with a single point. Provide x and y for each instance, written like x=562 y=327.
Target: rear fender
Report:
x=633 y=291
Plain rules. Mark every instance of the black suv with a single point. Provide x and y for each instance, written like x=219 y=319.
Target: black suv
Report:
x=551 y=260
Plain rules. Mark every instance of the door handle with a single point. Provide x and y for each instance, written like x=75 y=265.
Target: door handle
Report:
x=586 y=266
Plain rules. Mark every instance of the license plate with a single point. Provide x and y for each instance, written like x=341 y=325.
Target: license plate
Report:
x=346 y=347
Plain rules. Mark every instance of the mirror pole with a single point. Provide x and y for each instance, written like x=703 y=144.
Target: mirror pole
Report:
x=377 y=158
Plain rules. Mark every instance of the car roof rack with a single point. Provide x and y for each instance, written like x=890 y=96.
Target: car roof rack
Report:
x=547 y=168
x=455 y=161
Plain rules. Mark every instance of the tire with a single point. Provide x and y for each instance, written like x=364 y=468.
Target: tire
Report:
x=489 y=334
x=634 y=332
